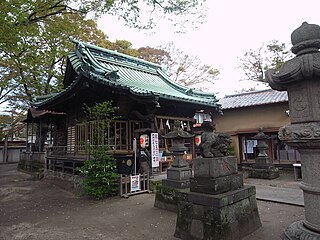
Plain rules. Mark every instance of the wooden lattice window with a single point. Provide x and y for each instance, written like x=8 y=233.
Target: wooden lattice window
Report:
x=118 y=135
x=71 y=140
x=115 y=134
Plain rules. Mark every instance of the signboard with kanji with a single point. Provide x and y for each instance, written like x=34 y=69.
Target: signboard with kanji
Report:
x=155 y=150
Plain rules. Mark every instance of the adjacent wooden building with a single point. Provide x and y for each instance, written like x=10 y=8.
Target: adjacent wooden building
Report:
x=245 y=113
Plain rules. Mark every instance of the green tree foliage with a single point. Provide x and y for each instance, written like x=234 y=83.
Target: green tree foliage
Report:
x=154 y=55
x=34 y=38
x=103 y=112
x=33 y=50
x=182 y=68
x=124 y=46
x=5 y=121
x=255 y=62
x=100 y=171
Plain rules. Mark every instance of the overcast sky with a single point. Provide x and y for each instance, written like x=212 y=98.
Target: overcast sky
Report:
x=232 y=27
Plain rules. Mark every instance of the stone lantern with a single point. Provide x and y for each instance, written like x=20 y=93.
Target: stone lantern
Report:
x=178 y=175
x=263 y=168
x=300 y=77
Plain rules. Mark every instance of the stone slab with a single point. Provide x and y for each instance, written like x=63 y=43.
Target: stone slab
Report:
x=216 y=185
x=270 y=173
x=215 y=167
x=174 y=173
x=179 y=184
x=219 y=200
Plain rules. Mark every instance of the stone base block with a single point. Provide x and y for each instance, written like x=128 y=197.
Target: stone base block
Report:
x=264 y=173
x=263 y=166
x=263 y=161
x=297 y=231
x=216 y=185
x=179 y=174
x=232 y=215
x=215 y=167
x=180 y=184
x=167 y=198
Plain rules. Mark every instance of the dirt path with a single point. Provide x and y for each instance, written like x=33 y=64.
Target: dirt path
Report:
x=51 y=210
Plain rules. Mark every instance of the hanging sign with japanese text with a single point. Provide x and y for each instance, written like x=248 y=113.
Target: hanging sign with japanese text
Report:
x=155 y=149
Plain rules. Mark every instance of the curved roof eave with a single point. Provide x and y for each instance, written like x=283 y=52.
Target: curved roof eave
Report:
x=138 y=77
x=70 y=89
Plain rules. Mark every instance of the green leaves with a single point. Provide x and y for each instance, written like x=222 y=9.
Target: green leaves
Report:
x=100 y=176
x=33 y=48
x=100 y=172
x=103 y=111
x=34 y=38
x=255 y=62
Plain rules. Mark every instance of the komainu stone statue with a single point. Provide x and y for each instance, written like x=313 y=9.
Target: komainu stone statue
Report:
x=213 y=144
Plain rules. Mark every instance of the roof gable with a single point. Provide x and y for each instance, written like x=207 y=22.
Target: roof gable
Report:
x=255 y=98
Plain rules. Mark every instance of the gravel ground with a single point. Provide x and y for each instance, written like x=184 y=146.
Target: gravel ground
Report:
x=52 y=210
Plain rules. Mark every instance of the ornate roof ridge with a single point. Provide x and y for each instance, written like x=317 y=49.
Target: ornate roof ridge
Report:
x=117 y=56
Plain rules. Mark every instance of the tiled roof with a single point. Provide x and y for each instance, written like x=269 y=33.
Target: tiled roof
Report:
x=138 y=76
x=255 y=98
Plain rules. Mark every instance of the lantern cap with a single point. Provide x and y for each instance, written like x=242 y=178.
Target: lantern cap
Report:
x=260 y=136
x=178 y=132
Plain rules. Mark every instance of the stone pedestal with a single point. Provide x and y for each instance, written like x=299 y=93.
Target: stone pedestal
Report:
x=178 y=180
x=263 y=169
x=218 y=206
x=178 y=177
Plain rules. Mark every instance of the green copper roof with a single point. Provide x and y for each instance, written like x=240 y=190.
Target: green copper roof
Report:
x=140 y=77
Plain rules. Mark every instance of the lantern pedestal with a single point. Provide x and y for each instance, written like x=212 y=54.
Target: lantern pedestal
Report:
x=218 y=206
x=177 y=177
x=262 y=169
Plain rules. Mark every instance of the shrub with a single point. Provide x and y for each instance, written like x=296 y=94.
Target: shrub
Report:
x=100 y=171
x=100 y=174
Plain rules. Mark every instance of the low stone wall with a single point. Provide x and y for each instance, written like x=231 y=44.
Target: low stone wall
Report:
x=32 y=163
x=74 y=179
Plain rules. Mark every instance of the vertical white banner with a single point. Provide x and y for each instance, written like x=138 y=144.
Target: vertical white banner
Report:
x=155 y=150
x=134 y=146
